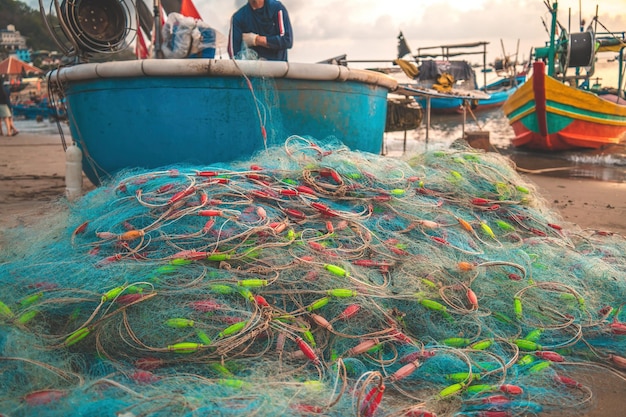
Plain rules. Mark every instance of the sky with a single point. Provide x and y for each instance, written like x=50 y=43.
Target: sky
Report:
x=368 y=29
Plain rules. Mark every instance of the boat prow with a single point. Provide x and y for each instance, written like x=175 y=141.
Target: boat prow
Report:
x=549 y=115
x=556 y=110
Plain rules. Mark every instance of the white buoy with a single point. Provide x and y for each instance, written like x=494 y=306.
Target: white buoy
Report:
x=73 y=172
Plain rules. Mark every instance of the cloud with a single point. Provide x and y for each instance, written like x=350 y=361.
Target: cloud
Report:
x=368 y=29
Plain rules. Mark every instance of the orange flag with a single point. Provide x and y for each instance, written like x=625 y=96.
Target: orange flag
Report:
x=188 y=9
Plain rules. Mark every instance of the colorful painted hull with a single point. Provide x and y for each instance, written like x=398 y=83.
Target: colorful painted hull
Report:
x=154 y=113
x=548 y=115
x=498 y=91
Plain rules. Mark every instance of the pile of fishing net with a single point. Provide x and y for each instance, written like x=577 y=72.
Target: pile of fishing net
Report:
x=309 y=280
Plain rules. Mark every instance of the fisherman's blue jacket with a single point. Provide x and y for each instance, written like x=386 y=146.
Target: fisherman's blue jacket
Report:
x=271 y=21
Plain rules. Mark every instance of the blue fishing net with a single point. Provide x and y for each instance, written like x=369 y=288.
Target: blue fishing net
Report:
x=309 y=280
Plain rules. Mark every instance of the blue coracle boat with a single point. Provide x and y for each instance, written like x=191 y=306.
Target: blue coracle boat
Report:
x=499 y=91
x=437 y=70
x=156 y=112
x=151 y=113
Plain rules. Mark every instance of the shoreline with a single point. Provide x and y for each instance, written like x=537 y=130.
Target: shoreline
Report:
x=32 y=175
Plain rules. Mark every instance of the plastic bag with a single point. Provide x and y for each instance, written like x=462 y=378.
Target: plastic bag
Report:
x=187 y=37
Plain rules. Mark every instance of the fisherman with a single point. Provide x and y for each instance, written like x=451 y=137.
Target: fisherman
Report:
x=263 y=26
x=5 y=111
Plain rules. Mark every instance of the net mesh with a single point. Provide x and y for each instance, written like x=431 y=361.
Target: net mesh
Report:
x=309 y=280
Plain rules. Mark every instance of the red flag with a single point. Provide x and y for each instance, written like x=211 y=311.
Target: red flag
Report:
x=141 y=49
x=188 y=9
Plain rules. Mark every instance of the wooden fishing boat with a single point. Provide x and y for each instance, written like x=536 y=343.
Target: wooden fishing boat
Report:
x=434 y=64
x=499 y=92
x=557 y=111
x=152 y=113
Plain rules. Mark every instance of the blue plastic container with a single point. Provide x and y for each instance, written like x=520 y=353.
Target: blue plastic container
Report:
x=208 y=40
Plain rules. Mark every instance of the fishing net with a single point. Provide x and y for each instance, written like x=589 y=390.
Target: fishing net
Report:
x=309 y=280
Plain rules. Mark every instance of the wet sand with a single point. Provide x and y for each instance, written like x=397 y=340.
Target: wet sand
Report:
x=32 y=174
x=586 y=203
x=32 y=171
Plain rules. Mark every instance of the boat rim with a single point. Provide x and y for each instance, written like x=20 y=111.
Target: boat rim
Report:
x=220 y=68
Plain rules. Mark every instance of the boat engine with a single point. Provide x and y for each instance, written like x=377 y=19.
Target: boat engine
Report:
x=84 y=27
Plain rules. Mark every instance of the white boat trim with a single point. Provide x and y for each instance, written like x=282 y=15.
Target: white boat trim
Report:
x=220 y=68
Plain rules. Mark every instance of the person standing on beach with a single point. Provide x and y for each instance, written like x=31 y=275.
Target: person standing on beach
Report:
x=5 y=112
x=263 y=26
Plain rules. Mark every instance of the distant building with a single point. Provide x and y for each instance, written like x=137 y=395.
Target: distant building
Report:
x=12 y=40
x=23 y=55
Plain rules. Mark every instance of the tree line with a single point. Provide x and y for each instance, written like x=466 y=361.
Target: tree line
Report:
x=28 y=22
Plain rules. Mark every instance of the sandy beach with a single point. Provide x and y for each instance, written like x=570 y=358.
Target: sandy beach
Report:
x=32 y=174
x=32 y=170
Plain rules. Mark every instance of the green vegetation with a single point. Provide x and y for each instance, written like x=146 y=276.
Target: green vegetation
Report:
x=28 y=22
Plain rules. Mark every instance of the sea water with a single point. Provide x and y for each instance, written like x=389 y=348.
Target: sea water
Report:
x=607 y=164
x=43 y=127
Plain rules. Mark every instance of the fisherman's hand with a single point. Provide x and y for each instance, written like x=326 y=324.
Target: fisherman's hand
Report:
x=250 y=39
